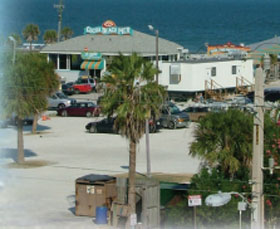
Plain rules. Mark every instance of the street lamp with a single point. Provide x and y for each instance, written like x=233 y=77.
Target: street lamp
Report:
x=156 y=32
x=222 y=198
x=11 y=38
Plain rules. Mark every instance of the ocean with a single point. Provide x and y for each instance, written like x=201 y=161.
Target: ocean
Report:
x=191 y=23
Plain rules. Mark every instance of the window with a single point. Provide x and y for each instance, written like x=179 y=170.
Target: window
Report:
x=213 y=71
x=175 y=74
x=62 y=61
x=175 y=79
x=53 y=59
x=75 y=62
x=233 y=70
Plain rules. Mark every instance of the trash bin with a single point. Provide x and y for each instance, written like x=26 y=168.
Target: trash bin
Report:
x=101 y=215
x=94 y=190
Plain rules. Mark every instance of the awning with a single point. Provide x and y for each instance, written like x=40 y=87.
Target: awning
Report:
x=92 y=64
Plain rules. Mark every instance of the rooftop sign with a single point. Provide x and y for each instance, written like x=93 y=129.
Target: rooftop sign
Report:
x=108 y=28
x=227 y=48
x=91 y=55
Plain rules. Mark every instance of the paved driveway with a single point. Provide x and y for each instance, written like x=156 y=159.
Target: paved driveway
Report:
x=44 y=197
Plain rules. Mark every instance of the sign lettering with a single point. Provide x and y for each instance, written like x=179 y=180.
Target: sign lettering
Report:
x=194 y=200
x=91 y=55
x=108 y=31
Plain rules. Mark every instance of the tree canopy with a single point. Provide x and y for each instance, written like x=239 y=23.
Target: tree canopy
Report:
x=66 y=33
x=31 y=33
x=224 y=139
x=25 y=87
x=50 y=36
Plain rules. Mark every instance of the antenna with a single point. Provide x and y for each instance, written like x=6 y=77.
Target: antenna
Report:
x=59 y=8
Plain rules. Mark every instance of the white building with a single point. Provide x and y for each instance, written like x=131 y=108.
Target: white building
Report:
x=91 y=53
x=194 y=75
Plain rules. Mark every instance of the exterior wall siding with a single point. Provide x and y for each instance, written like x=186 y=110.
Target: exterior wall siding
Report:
x=194 y=75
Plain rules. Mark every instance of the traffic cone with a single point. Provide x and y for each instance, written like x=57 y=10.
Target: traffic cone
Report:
x=45 y=118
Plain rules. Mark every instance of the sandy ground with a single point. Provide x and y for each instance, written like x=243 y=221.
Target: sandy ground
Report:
x=44 y=197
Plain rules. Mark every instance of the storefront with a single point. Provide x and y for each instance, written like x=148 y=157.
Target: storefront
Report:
x=92 y=52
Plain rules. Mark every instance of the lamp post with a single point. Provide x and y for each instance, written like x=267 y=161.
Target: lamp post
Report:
x=222 y=198
x=11 y=38
x=257 y=217
x=156 y=32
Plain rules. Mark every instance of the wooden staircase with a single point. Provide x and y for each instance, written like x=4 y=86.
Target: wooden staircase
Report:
x=243 y=86
x=214 y=90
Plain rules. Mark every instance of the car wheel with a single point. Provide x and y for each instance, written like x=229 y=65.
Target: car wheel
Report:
x=76 y=91
x=64 y=113
x=61 y=106
x=93 y=129
x=171 y=125
x=88 y=114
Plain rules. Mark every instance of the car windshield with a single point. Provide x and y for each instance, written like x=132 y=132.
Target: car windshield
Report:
x=61 y=96
x=174 y=110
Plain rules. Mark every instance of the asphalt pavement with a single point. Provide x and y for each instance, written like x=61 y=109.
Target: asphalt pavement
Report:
x=44 y=196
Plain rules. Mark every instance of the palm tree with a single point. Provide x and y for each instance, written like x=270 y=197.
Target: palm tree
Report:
x=31 y=33
x=50 y=36
x=224 y=140
x=67 y=33
x=132 y=95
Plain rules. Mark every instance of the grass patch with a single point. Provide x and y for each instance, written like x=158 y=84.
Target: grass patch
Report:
x=29 y=164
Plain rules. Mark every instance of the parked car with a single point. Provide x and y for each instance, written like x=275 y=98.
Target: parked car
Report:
x=67 y=88
x=61 y=95
x=28 y=120
x=54 y=102
x=196 y=113
x=84 y=85
x=172 y=117
x=238 y=100
x=271 y=94
x=107 y=126
x=87 y=109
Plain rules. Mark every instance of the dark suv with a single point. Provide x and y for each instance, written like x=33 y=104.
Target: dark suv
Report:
x=172 y=117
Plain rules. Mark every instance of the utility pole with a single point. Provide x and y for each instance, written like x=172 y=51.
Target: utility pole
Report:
x=156 y=31
x=59 y=8
x=257 y=217
x=257 y=174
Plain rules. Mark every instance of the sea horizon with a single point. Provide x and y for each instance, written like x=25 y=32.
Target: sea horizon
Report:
x=190 y=23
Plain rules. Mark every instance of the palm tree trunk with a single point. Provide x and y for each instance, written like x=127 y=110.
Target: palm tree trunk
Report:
x=34 y=124
x=132 y=171
x=20 y=156
x=30 y=46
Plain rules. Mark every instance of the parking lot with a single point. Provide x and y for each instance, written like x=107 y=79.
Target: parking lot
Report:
x=44 y=196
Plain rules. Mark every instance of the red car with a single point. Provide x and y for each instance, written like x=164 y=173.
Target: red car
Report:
x=87 y=109
x=83 y=85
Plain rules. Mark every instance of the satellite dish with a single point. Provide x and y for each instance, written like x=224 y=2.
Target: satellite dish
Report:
x=217 y=200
